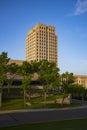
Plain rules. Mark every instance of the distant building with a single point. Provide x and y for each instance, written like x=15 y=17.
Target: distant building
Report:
x=41 y=43
x=79 y=79
x=82 y=80
x=19 y=62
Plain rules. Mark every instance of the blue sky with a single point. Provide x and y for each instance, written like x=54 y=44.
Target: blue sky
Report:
x=69 y=17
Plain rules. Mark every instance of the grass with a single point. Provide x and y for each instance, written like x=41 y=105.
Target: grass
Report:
x=77 y=124
x=36 y=103
x=12 y=104
x=49 y=98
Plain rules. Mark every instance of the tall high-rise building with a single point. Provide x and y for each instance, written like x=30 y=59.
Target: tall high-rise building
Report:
x=41 y=43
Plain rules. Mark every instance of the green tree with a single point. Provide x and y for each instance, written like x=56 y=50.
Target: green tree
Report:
x=12 y=70
x=26 y=71
x=67 y=79
x=81 y=91
x=48 y=73
x=3 y=69
x=77 y=90
x=35 y=66
x=26 y=85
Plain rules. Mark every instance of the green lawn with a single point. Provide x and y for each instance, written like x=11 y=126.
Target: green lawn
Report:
x=14 y=104
x=80 y=124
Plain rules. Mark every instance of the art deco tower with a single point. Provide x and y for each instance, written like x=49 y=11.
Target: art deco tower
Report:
x=41 y=43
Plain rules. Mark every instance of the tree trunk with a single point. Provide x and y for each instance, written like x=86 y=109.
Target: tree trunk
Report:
x=0 y=99
x=29 y=96
x=82 y=100
x=45 y=95
x=8 y=89
x=63 y=100
x=24 y=98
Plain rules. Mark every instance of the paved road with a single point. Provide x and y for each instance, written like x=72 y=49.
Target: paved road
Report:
x=34 y=116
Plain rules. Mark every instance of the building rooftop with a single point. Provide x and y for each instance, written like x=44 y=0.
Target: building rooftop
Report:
x=19 y=62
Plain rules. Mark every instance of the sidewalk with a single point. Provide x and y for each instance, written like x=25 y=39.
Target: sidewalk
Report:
x=41 y=109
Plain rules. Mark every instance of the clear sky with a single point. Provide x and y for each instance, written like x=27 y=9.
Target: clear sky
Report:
x=69 y=17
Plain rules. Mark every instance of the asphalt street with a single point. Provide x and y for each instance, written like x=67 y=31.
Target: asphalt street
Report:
x=12 y=118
